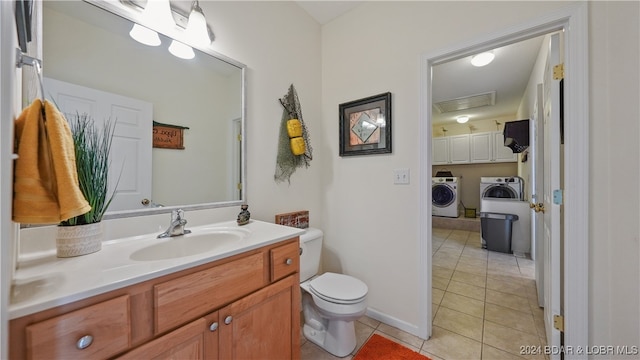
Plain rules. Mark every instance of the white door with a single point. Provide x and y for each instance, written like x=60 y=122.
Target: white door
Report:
x=130 y=155
x=552 y=186
x=536 y=153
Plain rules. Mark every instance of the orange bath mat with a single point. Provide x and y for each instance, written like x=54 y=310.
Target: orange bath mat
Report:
x=381 y=348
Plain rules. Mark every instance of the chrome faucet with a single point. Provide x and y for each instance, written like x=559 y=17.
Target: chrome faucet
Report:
x=176 y=227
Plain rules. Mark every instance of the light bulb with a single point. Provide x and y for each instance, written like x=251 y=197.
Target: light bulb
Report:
x=462 y=119
x=482 y=59
x=197 y=26
x=144 y=35
x=181 y=50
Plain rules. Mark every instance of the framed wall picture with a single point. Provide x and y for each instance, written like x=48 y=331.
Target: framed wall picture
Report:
x=365 y=126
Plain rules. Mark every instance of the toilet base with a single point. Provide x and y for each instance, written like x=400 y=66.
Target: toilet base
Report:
x=339 y=338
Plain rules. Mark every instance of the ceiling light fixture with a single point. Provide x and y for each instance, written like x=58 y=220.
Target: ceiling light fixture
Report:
x=181 y=50
x=197 y=26
x=482 y=59
x=462 y=119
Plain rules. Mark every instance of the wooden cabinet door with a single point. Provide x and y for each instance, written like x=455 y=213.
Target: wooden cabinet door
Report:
x=263 y=325
x=187 y=342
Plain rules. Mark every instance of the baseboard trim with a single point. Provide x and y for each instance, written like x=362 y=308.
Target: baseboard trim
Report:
x=395 y=322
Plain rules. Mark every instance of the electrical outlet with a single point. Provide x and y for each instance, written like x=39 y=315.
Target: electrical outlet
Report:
x=401 y=176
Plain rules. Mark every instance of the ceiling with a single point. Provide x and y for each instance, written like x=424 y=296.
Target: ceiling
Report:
x=507 y=75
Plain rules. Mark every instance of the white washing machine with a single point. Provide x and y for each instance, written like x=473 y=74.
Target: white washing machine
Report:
x=445 y=196
x=511 y=187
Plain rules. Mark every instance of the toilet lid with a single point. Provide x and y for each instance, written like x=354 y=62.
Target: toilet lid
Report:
x=338 y=288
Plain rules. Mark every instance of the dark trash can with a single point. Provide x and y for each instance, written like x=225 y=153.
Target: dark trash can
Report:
x=496 y=231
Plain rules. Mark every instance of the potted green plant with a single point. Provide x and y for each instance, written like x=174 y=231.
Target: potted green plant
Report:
x=82 y=234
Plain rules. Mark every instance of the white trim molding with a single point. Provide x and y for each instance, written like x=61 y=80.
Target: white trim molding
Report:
x=573 y=20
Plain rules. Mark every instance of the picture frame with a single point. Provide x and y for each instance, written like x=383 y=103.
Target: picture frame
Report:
x=365 y=126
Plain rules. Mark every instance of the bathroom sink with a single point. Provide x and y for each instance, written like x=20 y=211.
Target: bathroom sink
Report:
x=197 y=242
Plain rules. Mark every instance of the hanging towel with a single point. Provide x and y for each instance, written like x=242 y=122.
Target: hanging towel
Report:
x=45 y=189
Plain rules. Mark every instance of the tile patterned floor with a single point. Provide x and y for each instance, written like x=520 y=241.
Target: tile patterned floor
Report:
x=485 y=305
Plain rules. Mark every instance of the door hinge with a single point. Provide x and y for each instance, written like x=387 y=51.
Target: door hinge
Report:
x=558 y=72
x=558 y=197
x=240 y=137
x=558 y=322
x=239 y=186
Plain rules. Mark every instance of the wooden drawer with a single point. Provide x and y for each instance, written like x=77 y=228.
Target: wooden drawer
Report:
x=285 y=260
x=108 y=323
x=186 y=298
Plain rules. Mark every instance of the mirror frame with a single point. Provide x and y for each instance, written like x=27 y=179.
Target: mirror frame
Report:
x=118 y=9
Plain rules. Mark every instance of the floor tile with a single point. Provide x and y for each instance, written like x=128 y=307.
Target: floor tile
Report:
x=441 y=272
x=468 y=290
x=508 y=339
x=442 y=283
x=449 y=345
x=514 y=319
x=459 y=323
x=463 y=304
x=470 y=278
x=489 y=352
x=508 y=300
x=437 y=295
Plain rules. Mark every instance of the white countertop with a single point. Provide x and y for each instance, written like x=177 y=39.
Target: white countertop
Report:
x=49 y=281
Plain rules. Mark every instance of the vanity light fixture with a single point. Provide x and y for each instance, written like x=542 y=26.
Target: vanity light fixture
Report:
x=157 y=12
x=462 y=119
x=482 y=59
x=197 y=26
x=144 y=35
x=181 y=50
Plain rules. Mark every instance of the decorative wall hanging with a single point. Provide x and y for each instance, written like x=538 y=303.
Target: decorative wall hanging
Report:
x=168 y=136
x=365 y=126
x=294 y=147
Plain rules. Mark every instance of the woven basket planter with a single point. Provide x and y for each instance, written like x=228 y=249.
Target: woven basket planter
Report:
x=79 y=240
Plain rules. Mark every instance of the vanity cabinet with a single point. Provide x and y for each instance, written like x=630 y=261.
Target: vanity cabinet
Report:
x=228 y=309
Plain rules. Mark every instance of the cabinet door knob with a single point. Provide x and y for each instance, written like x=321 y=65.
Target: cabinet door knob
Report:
x=228 y=320
x=84 y=342
x=213 y=326
x=289 y=261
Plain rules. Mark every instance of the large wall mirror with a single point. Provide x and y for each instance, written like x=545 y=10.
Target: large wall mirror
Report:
x=90 y=60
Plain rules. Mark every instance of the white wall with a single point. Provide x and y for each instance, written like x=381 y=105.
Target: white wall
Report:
x=615 y=207
x=371 y=225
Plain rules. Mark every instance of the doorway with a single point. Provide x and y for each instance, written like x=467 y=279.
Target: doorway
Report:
x=573 y=22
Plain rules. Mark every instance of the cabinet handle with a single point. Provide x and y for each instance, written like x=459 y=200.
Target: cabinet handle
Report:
x=228 y=320
x=213 y=326
x=289 y=261
x=84 y=342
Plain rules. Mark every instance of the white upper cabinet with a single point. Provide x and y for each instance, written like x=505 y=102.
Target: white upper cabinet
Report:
x=486 y=147
x=459 y=149
x=440 y=150
x=502 y=153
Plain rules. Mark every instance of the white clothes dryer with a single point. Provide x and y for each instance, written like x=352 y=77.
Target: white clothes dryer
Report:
x=445 y=195
x=510 y=187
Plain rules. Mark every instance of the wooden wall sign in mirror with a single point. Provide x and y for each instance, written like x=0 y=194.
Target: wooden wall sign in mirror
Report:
x=168 y=136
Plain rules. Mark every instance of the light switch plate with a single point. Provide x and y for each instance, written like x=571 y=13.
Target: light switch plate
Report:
x=401 y=176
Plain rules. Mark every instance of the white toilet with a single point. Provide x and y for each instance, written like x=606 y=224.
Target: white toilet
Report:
x=330 y=302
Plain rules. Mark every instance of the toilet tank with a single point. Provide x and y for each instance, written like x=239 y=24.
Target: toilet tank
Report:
x=311 y=245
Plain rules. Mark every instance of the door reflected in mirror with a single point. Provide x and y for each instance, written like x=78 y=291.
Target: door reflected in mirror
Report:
x=89 y=50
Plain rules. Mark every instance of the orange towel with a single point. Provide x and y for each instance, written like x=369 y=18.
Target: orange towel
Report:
x=45 y=188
